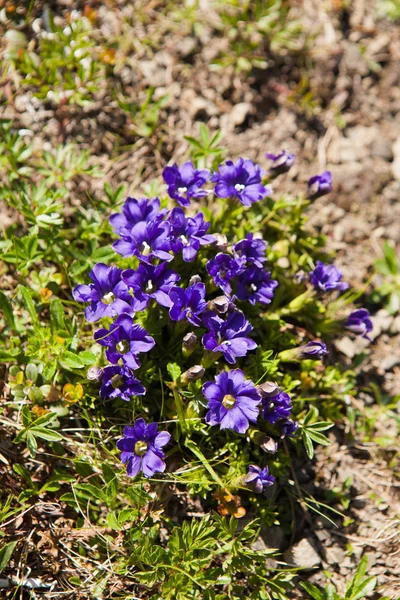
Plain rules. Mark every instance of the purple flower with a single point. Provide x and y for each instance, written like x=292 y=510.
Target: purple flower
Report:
x=108 y=295
x=185 y=182
x=119 y=382
x=314 y=349
x=289 y=427
x=134 y=211
x=319 y=185
x=141 y=448
x=232 y=401
x=188 y=234
x=256 y=285
x=223 y=268
x=229 y=337
x=146 y=240
x=276 y=405
x=150 y=282
x=188 y=303
x=327 y=277
x=252 y=249
x=124 y=340
x=281 y=162
x=258 y=479
x=241 y=180
x=359 y=322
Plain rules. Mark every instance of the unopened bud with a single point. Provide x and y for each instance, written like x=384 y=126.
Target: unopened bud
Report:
x=194 y=279
x=94 y=373
x=268 y=388
x=220 y=304
x=221 y=241
x=189 y=343
x=266 y=443
x=192 y=374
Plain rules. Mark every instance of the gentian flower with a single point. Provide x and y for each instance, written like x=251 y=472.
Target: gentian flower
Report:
x=258 y=479
x=188 y=234
x=327 y=277
x=119 y=382
x=223 y=268
x=134 y=211
x=276 y=405
x=232 y=401
x=359 y=322
x=185 y=182
x=241 y=180
x=141 y=448
x=188 y=303
x=314 y=349
x=256 y=285
x=319 y=185
x=229 y=337
x=124 y=340
x=281 y=162
x=253 y=249
x=108 y=295
x=149 y=282
x=146 y=240
x=289 y=427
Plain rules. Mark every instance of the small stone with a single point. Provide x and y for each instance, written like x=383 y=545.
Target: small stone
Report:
x=303 y=554
x=239 y=113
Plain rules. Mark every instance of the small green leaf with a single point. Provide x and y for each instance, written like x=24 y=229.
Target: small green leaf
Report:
x=312 y=590
x=69 y=360
x=31 y=443
x=7 y=310
x=113 y=521
x=308 y=445
x=29 y=305
x=174 y=370
x=320 y=438
x=5 y=554
x=46 y=434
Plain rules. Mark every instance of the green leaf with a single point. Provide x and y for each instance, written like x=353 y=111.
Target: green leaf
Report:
x=312 y=590
x=46 y=434
x=308 y=445
x=88 y=491
x=29 y=305
x=320 y=438
x=23 y=471
x=174 y=370
x=88 y=358
x=5 y=554
x=31 y=443
x=113 y=521
x=7 y=310
x=69 y=360
x=365 y=588
x=320 y=426
x=56 y=315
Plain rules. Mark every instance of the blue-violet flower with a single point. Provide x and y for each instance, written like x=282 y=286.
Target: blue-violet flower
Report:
x=141 y=448
x=134 y=211
x=327 y=277
x=119 y=382
x=253 y=249
x=124 y=341
x=241 y=180
x=258 y=479
x=359 y=322
x=150 y=282
x=228 y=336
x=146 y=240
x=232 y=401
x=319 y=185
x=281 y=162
x=188 y=233
x=256 y=285
x=223 y=268
x=188 y=303
x=108 y=295
x=185 y=182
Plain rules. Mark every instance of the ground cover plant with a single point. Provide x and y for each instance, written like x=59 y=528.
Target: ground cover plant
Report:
x=189 y=399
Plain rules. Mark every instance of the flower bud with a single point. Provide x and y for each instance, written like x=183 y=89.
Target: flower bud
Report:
x=319 y=185
x=94 y=373
x=189 y=343
x=268 y=388
x=221 y=241
x=281 y=162
x=266 y=443
x=220 y=304
x=194 y=279
x=192 y=374
x=312 y=350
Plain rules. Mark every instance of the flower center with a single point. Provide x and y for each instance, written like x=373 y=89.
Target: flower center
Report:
x=108 y=298
x=146 y=249
x=228 y=401
x=184 y=240
x=149 y=286
x=253 y=287
x=122 y=346
x=239 y=187
x=141 y=448
x=227 y=343
x=182 y=190
x=116 y=381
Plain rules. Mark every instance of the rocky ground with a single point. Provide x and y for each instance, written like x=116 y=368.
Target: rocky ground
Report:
x=335 y=105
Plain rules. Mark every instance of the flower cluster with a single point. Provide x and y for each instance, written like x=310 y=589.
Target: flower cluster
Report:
x=160 y=242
